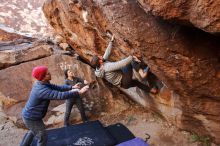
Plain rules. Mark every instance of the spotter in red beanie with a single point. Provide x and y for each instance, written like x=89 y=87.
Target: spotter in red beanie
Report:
x=39 y=72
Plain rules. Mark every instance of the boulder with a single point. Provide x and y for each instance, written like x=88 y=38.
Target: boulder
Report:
x=9 y=36
x=15 y=49
x=203 y=14
x=22 y=53
x=185 y=59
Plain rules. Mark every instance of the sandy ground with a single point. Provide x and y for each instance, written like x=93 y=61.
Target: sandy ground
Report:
x=141 y=122
x=10 y=135
x=138 y=120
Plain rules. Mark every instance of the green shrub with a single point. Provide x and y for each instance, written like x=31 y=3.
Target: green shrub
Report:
x=204 y=140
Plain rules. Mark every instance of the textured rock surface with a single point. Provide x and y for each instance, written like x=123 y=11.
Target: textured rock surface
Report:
x=7 y=36
x=204 y=14
x=23 y=52
x=185 y=59
x=15 y=49
x=24 y=16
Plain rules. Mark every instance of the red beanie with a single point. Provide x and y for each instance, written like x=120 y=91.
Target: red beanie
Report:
x=39 y=72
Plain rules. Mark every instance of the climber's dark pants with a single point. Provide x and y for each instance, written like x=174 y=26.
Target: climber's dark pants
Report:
x=36 y=128
x=69 y=106
x=127 y=80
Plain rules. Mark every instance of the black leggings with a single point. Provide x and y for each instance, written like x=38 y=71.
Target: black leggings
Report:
x=128 y=82
x=69 y=105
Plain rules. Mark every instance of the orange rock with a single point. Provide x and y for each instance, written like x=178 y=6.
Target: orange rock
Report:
x=187 y=12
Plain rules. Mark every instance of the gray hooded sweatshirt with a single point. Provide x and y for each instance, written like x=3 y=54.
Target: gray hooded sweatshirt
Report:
x=111 y=71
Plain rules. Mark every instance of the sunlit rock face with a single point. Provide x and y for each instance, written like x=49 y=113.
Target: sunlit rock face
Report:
x=185 y=59
x=15 y=49
x=24 y=16
x=203 y=14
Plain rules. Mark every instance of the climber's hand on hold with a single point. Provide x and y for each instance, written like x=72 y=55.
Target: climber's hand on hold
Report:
x=77 y=86
x=84 y=89
x=86 y=82
x=136 y=59
x=112 y=38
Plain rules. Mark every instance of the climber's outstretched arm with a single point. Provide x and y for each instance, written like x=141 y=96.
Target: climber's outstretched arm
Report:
x=108 y=49
x=113 y=66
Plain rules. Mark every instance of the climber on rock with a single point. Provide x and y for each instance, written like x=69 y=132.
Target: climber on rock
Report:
x=71 y=79
x=36 y=107
x=117 y=73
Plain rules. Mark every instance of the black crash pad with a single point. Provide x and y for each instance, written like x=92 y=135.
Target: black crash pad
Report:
x=120 y=133
x=91 y=134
